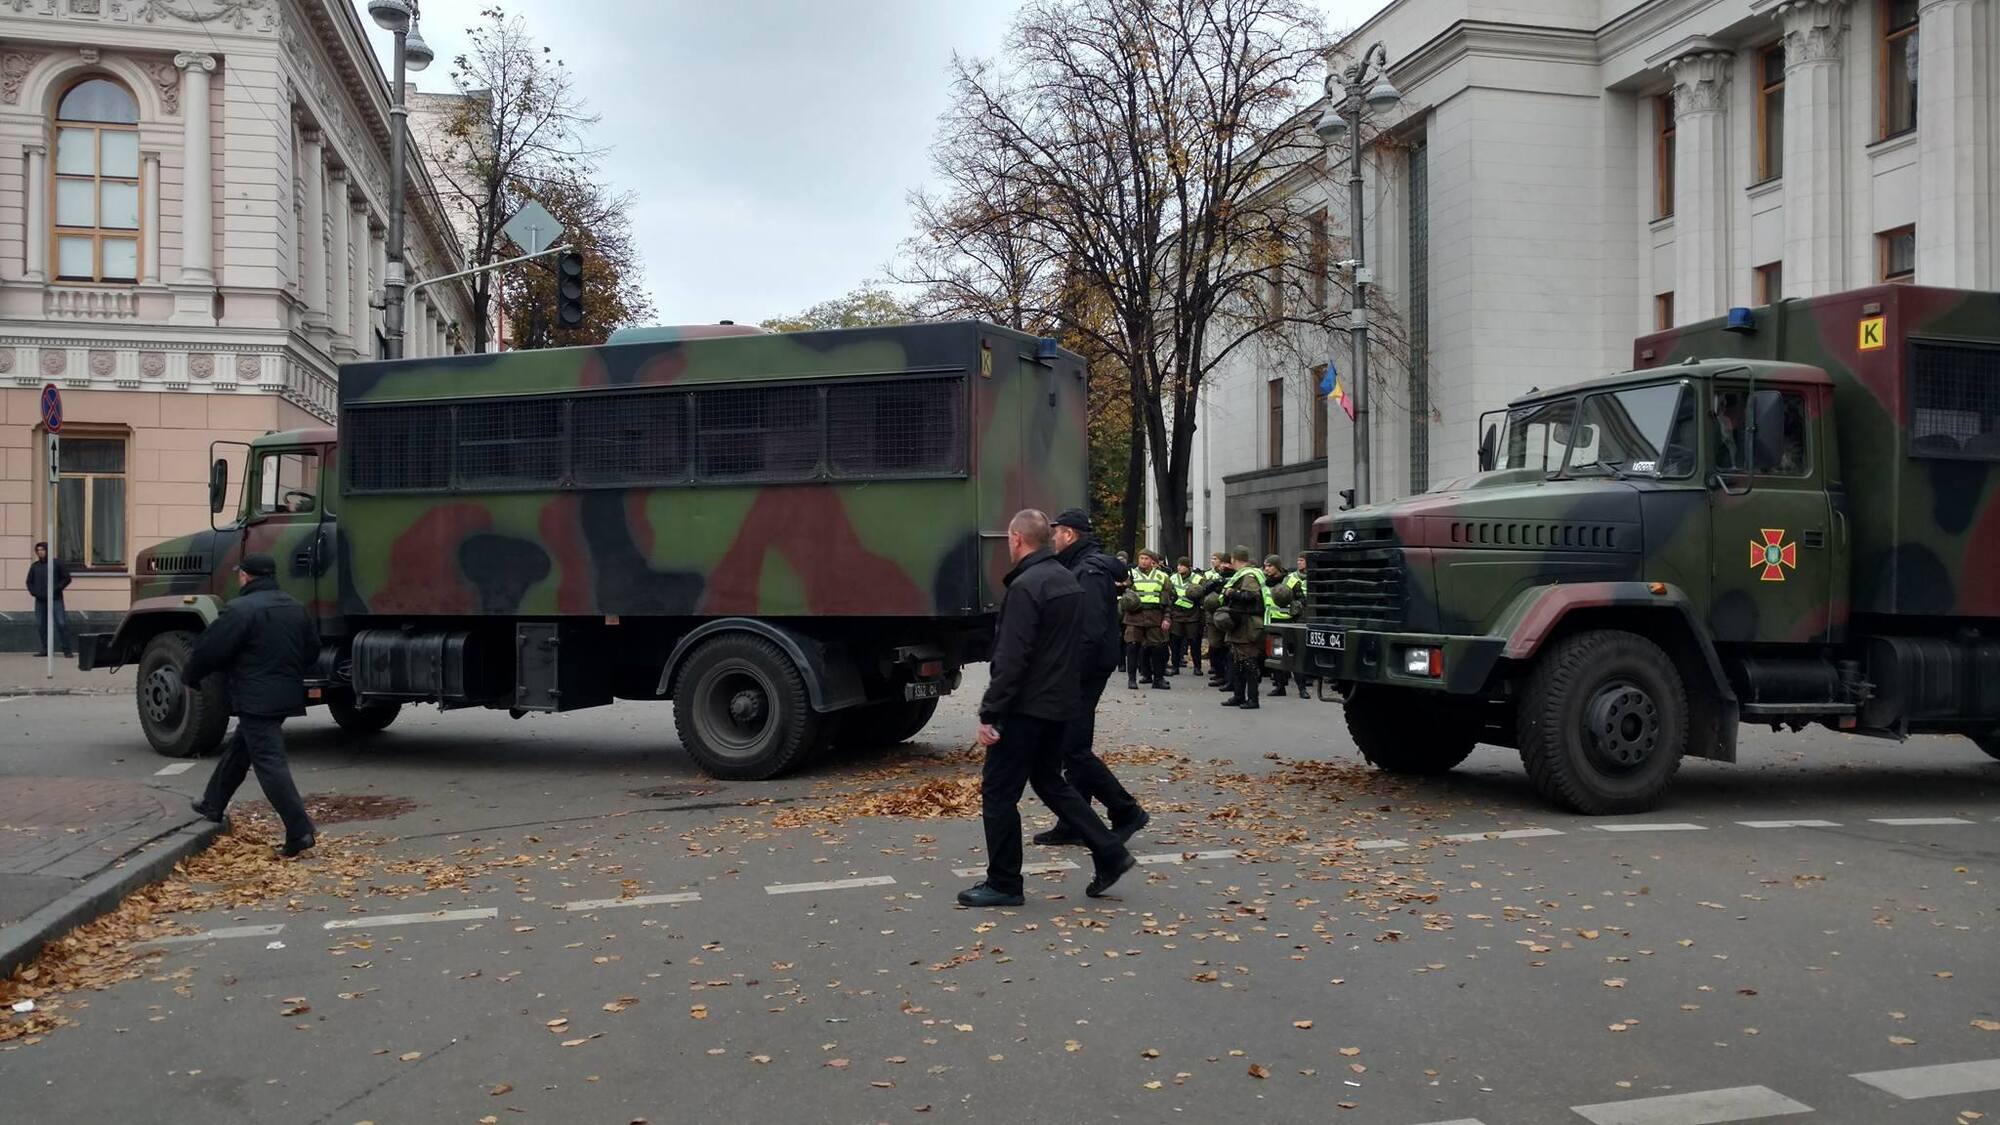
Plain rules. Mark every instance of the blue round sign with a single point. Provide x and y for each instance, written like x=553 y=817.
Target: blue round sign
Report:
x=52 y=408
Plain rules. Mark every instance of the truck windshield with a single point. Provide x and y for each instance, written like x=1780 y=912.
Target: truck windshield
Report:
x=1537 y=436
x=1636 y=431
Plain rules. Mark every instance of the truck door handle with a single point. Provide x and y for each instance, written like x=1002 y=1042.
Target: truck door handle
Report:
x=1813 y=537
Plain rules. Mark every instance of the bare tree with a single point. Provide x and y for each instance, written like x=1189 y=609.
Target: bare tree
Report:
x=1146 y=146
x=518 y=123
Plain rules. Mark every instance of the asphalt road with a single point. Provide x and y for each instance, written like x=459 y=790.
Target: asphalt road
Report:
x=567 y=913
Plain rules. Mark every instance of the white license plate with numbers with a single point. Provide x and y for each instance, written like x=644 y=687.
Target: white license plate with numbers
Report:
x=1331 y=640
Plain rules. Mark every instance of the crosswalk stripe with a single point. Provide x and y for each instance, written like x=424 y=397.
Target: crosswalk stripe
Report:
x=1381 y=845
x=1505 y=834
x=218 y=935
x=172 y=769
x=1789 y=823
x=1916 y=821
x=1178 y=857
x=1681 y=826
x=830 y=885
x=1936 y=1081
x=1459 y=1121
x=379 y=920
x=1703 y=1107
x=1026 y=869
x=642 y=900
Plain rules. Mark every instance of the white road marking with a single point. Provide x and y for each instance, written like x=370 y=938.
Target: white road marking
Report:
x=218 y=935
x=1916 y=821
x=1026 y=869
x=829 y=885
x=1704 y=1107
x=378 y=920
x=1460 y=1121
x=1788 y=823
x=177 y=767
x=1177 y=857
x=1936 y=1081
x=1666 y=827
x=1507 y=834
x=641 y=900
x=1380 y=845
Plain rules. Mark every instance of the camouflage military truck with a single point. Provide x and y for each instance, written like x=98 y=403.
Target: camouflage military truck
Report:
x=1788 y=516
x=798 y=538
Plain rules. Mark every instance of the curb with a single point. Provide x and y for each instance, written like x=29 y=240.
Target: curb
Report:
x=18 y=692
x=101 y=893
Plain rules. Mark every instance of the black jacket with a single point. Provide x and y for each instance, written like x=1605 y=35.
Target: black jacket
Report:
x=1097 y=574
x=38 y=578
x=1035 y=644
x=265 y=642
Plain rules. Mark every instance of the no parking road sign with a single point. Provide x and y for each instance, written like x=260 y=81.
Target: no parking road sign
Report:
x=52 y=407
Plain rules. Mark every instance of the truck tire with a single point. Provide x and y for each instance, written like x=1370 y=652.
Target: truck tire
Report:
x=361 y=718
x=741 y=709
x=884 y=724
x=1603 y=723
x=1405 y=731
x=178 y=722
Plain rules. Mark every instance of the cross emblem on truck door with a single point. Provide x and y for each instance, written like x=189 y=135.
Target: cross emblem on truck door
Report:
x=1774 y=555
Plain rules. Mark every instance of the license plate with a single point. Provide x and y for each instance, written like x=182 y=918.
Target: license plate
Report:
x=1333 y=640
x=922 y=691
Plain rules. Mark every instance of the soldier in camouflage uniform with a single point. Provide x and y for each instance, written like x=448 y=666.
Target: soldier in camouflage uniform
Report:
x=1213 y=636
x=1244 y=603
x=1184 y=617
x=1144 y=605
x=1284 y=600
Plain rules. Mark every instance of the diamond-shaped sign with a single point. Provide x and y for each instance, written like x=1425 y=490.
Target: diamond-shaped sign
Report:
x=532 y=228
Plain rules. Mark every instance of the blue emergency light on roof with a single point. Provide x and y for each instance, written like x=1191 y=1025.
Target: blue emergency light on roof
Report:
x=1740 y=321
x=1045 y=348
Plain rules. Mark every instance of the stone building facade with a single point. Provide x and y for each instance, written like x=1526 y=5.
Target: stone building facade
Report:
x=193 y=209
x=1564 y=175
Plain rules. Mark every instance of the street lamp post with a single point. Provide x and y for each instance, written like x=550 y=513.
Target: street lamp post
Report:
x=1348 y=90
x=399 y=18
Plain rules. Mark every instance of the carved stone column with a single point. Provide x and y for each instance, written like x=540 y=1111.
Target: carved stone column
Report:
x=340 y=287
x=312 y=234
x=357 y=299
x=198 y=173
x=1701 y=182
x=1954 y=129
x=35 y=255
x=149 y=214
x=1815 y=147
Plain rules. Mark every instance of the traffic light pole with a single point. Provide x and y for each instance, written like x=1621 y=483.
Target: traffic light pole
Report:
x=430 y=281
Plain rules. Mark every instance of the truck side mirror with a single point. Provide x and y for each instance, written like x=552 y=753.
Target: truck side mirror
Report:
x=218 y=485
x=1486 y=448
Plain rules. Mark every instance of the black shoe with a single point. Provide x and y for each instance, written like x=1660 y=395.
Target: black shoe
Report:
x=1058 y=837
x=293 y=848
x=68 y=655
x=205 y=813
x=1232 y=701
x=984 y=895
x=1105 y=876
x=1278 y=693
x=1250 y=704
x=1132 y=827
x=1131 y=683
x=1162 y=685
x=41 y=655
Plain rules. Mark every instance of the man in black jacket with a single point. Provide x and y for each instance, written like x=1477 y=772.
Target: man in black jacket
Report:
x=265 y=643
x=1030 y=697
x=38 y=588
x=1097 y=658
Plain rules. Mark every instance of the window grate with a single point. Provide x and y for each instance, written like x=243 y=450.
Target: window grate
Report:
x=758 y=433
x=508 y=443
x=914 y=426
x=631 y=439
x=397 y=449
x=1954 y=400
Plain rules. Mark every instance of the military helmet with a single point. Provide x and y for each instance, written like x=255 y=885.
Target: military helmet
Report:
x=1212 y=602
x=1128 y=602
x=1281 y=594
x=1223 y=621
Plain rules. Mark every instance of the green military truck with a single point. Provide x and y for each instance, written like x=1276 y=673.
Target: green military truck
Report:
x=798 y=538
x=1787 y=516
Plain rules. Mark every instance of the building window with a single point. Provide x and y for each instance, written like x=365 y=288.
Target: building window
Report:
x=1771 y=113
x=1320 y=405
x=1275 y=390
x=90 y=504
x=1897 y=252
x=1663 y=156
x=1896 y=99
x=1267 y=534
x=1307 y=518
x=1316 y=257
x=96 y=182
x=1768 y=283
x=1663 y=312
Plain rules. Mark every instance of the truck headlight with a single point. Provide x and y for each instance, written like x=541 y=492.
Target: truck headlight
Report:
x=1423 y=661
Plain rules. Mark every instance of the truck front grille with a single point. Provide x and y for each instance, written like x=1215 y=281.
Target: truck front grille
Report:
x=180 y=564
x=1360 y=588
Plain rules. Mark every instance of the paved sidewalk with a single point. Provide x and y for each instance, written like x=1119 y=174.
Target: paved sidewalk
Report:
x=25 y=674
x=56 y=833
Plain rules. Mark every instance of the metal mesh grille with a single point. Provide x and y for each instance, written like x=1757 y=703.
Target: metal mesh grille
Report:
x=758 y=433
x=629 y=439
x=509 y=443
x=1954 y=400
x=1420 y=319
x=1359 y=588
x=397 y=449
x=893 y=429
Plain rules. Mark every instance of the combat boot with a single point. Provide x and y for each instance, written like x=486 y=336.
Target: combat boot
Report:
x=1236 y=685
x=1278 y=688
x=1250 y=698
x=1160 y=669
x=1131 y=666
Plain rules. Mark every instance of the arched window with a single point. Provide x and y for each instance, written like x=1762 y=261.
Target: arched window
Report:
x=96 y=228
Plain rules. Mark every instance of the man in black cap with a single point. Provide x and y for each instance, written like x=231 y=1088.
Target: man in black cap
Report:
x=265 y=643
x=1097 y=658
x=38 y=588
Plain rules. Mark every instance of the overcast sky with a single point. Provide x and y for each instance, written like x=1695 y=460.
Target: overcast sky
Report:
x=770 y=144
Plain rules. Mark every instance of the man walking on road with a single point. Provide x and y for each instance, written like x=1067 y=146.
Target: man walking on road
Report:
x=1031 y=694
x=38 y=586
x=1096 y=573
x=265 y=643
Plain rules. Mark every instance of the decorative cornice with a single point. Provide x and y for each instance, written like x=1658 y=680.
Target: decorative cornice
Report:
x=238 y=14
x=1480 y=37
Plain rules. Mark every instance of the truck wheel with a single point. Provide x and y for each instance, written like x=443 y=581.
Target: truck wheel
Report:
x=741 y=710
x=178 y=722
x=1403 y=731
x=884 y=724
x=361 y=718
x=1603 y=723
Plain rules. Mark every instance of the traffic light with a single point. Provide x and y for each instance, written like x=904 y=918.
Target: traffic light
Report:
x=569 y=289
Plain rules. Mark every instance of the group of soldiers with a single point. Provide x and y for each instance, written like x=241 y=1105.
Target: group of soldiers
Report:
x=1171 y=617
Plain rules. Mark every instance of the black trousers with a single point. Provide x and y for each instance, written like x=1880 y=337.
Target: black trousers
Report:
x=1084 y=770
x=1029 y=753
x=259 y=743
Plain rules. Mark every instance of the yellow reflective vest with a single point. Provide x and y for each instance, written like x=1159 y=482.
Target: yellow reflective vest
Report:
x=1183 y=587
x=1152 y=589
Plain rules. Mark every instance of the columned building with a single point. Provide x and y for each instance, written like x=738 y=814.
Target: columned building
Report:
x=193 y=219
x=1559 y=182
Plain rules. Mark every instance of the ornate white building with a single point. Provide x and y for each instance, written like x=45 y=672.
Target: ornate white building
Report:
x=193 y=204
